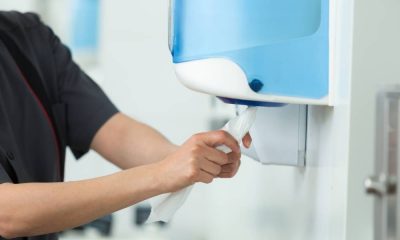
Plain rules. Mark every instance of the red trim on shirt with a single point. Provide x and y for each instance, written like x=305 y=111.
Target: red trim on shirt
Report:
x=50 y=122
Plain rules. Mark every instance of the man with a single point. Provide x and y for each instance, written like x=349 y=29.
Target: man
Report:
x=48 y=103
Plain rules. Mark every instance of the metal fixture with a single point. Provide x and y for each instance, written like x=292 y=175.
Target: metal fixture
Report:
x=383 y=185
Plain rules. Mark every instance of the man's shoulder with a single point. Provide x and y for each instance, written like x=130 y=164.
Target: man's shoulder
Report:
x=12 y=20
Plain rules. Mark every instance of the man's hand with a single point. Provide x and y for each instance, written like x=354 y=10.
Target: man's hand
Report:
x=198 y=160
x=229 y=170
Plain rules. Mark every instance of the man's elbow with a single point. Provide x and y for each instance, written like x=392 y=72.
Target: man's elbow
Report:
x=6 y=235
x=11 y=225
x=7 y=230
x=14 y=226
x=15 y=219
x=10 y=229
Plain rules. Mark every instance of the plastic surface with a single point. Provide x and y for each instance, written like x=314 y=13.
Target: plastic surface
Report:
x=284 y=44
x=224 y=78
x=280 y=136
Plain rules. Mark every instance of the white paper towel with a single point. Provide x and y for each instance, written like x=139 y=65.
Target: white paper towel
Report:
x=163 y=207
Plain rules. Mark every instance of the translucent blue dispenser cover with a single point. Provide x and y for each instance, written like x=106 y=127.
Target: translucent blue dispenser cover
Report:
x=284 y=44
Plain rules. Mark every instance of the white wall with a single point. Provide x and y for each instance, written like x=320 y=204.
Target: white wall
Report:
x=20 y=5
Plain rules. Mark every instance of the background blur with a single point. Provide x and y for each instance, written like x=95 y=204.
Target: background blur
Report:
x=123 y=45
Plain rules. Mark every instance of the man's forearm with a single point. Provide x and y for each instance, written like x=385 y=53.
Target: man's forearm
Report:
x=128 y=143
x=40 y=208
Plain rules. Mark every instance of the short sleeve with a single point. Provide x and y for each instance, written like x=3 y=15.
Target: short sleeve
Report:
x=87 y=106
x=4 y=178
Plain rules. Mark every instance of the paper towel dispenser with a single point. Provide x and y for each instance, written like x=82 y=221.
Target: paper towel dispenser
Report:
x=253 y=52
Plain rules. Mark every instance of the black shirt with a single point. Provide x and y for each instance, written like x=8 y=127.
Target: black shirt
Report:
x=33 y=133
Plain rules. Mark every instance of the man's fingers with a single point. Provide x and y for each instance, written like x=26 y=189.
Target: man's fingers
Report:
x=214 y=162
x=234 y=157
x=205 y=177
x=229 y=170
x=216 y=156
x=230 y=167
x=218 y=138
x=247 y=140
x=210 y=167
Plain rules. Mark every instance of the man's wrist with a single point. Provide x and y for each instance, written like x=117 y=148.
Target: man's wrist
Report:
x=171 y=148
x=155 y=173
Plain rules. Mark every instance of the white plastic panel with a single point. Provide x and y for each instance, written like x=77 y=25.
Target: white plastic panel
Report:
x=279 y=135
x=223 y=77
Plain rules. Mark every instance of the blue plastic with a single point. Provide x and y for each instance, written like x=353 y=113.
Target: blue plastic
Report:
x=282 y=43
x=85 y=25
x=251 y=103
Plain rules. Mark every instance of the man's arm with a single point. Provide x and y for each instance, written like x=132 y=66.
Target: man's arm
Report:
x=38 y=208
x=41 y=208
x=128 y=143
